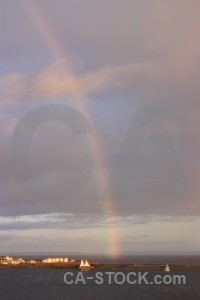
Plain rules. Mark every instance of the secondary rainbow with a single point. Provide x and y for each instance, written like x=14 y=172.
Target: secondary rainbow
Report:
x=49 y=38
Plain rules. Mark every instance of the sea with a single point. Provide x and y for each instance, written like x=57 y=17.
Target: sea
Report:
x=60 y=284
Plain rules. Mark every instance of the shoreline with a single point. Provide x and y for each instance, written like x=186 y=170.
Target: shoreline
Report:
x=102 y=267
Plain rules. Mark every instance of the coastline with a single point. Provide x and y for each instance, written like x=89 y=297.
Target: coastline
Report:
x=97 y=266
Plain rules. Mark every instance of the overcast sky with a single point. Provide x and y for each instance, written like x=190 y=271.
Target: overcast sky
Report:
x=99 y=126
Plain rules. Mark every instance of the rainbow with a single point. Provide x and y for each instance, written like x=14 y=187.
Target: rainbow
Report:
x=48 y=36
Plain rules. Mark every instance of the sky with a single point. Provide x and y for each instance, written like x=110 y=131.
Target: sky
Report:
x=99 y=126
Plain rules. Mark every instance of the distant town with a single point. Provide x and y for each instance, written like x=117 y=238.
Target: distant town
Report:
x=50 y=261
x=9 y=260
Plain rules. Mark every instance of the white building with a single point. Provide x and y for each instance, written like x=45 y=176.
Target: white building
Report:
x=32 y=261
x=55 y=260
x=20 y=261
